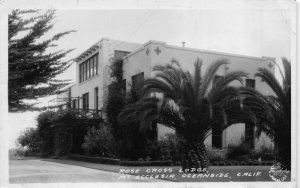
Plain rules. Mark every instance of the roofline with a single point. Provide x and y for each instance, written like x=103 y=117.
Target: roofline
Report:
x=263 y=58
x=95 y=44
x=67 y=87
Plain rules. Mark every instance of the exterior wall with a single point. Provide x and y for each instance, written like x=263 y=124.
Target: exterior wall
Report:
x=159 y=53
x=110 y=46
x=136 y=63
x=144 y=57
x=106 y=48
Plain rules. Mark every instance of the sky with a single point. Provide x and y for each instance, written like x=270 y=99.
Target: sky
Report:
x=240 y=31
x=262 y=31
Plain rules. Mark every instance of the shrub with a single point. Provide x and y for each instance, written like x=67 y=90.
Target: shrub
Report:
x=134 y=146
x=99 y=142
x=169 y=148
x=266 y=153
x=240 y=152
x=18 y=152
x=46 y=132
x=30 y=139
x=213 y=157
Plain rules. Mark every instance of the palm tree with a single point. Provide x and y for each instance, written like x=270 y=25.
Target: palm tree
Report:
x=189 y=103
x=272 y=113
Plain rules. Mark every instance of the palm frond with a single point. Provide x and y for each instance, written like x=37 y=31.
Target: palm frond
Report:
x=209 y=76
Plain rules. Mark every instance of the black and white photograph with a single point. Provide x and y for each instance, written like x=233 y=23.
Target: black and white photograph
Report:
x=157 y=92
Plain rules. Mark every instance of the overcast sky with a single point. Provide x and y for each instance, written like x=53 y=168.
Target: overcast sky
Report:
x=256 y=31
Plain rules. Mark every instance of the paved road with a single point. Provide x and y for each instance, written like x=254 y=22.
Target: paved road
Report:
x=38 y=171
x=59 y=170
x=216 y=173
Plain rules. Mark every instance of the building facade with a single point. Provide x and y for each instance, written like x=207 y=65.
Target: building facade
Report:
x=93 y=79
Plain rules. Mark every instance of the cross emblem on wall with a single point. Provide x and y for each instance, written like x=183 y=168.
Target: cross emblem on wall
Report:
x=147 y=51
x=157 y=50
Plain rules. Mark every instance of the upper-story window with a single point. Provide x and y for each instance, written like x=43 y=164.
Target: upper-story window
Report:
x=250 y=83
x=88 y=68
x=137 y=82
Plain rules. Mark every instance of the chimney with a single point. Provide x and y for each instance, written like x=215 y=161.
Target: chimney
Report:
x=183 y=44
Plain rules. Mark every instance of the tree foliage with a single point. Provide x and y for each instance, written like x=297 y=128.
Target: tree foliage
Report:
x=99 y=142
x=30 y=139
x=32 y=69
x=190 y=103
x=273 y=112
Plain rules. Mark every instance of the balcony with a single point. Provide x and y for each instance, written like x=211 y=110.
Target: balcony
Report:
x=72 y=104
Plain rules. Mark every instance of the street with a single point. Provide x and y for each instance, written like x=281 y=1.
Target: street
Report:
x=35 y=170
x=38 y=171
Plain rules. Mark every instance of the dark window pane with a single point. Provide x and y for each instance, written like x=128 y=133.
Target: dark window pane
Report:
x=85 y=101
x=84 y=71
x=216 y=137
x=92 y=69
x=250 y=83
x=89 y=68
x=137 y=82
x=80 y=73
x=74 y=103
x=96 y=98
x=97 y=63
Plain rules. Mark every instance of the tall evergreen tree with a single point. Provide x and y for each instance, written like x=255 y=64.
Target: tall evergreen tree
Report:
x=30 y=63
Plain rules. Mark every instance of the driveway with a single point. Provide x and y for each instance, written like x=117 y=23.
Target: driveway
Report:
x=38 y=171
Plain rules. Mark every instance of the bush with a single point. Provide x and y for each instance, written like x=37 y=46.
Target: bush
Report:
x=30 y=139
x=99 y=142
x=240 y=152
x=17 y=152
x=266 y=153
x=46 y=132
x=169 y=148
x=213 y=157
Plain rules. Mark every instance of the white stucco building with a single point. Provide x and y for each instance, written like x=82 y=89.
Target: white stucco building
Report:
x=92 y=78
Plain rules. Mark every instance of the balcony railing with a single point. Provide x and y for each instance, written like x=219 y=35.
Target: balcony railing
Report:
x=86 y=113
x=64 y=104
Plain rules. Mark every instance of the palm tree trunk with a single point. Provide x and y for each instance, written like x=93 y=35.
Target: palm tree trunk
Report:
x=193 y=155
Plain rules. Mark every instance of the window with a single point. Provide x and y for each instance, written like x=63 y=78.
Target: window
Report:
x=96 y=91
x=74 y=103
x=88 y=68
x=92 y=69
x=216 y=137
x=85 y=101
x=250 y=83
x=137 y=82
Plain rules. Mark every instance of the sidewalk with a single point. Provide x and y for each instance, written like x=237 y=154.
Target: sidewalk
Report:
x=167 y=173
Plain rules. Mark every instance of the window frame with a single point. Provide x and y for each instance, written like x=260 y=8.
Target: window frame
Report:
x=85 y=101
x=96 y=98
x=216 y=137
x=135 y=84
x=89 y=68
